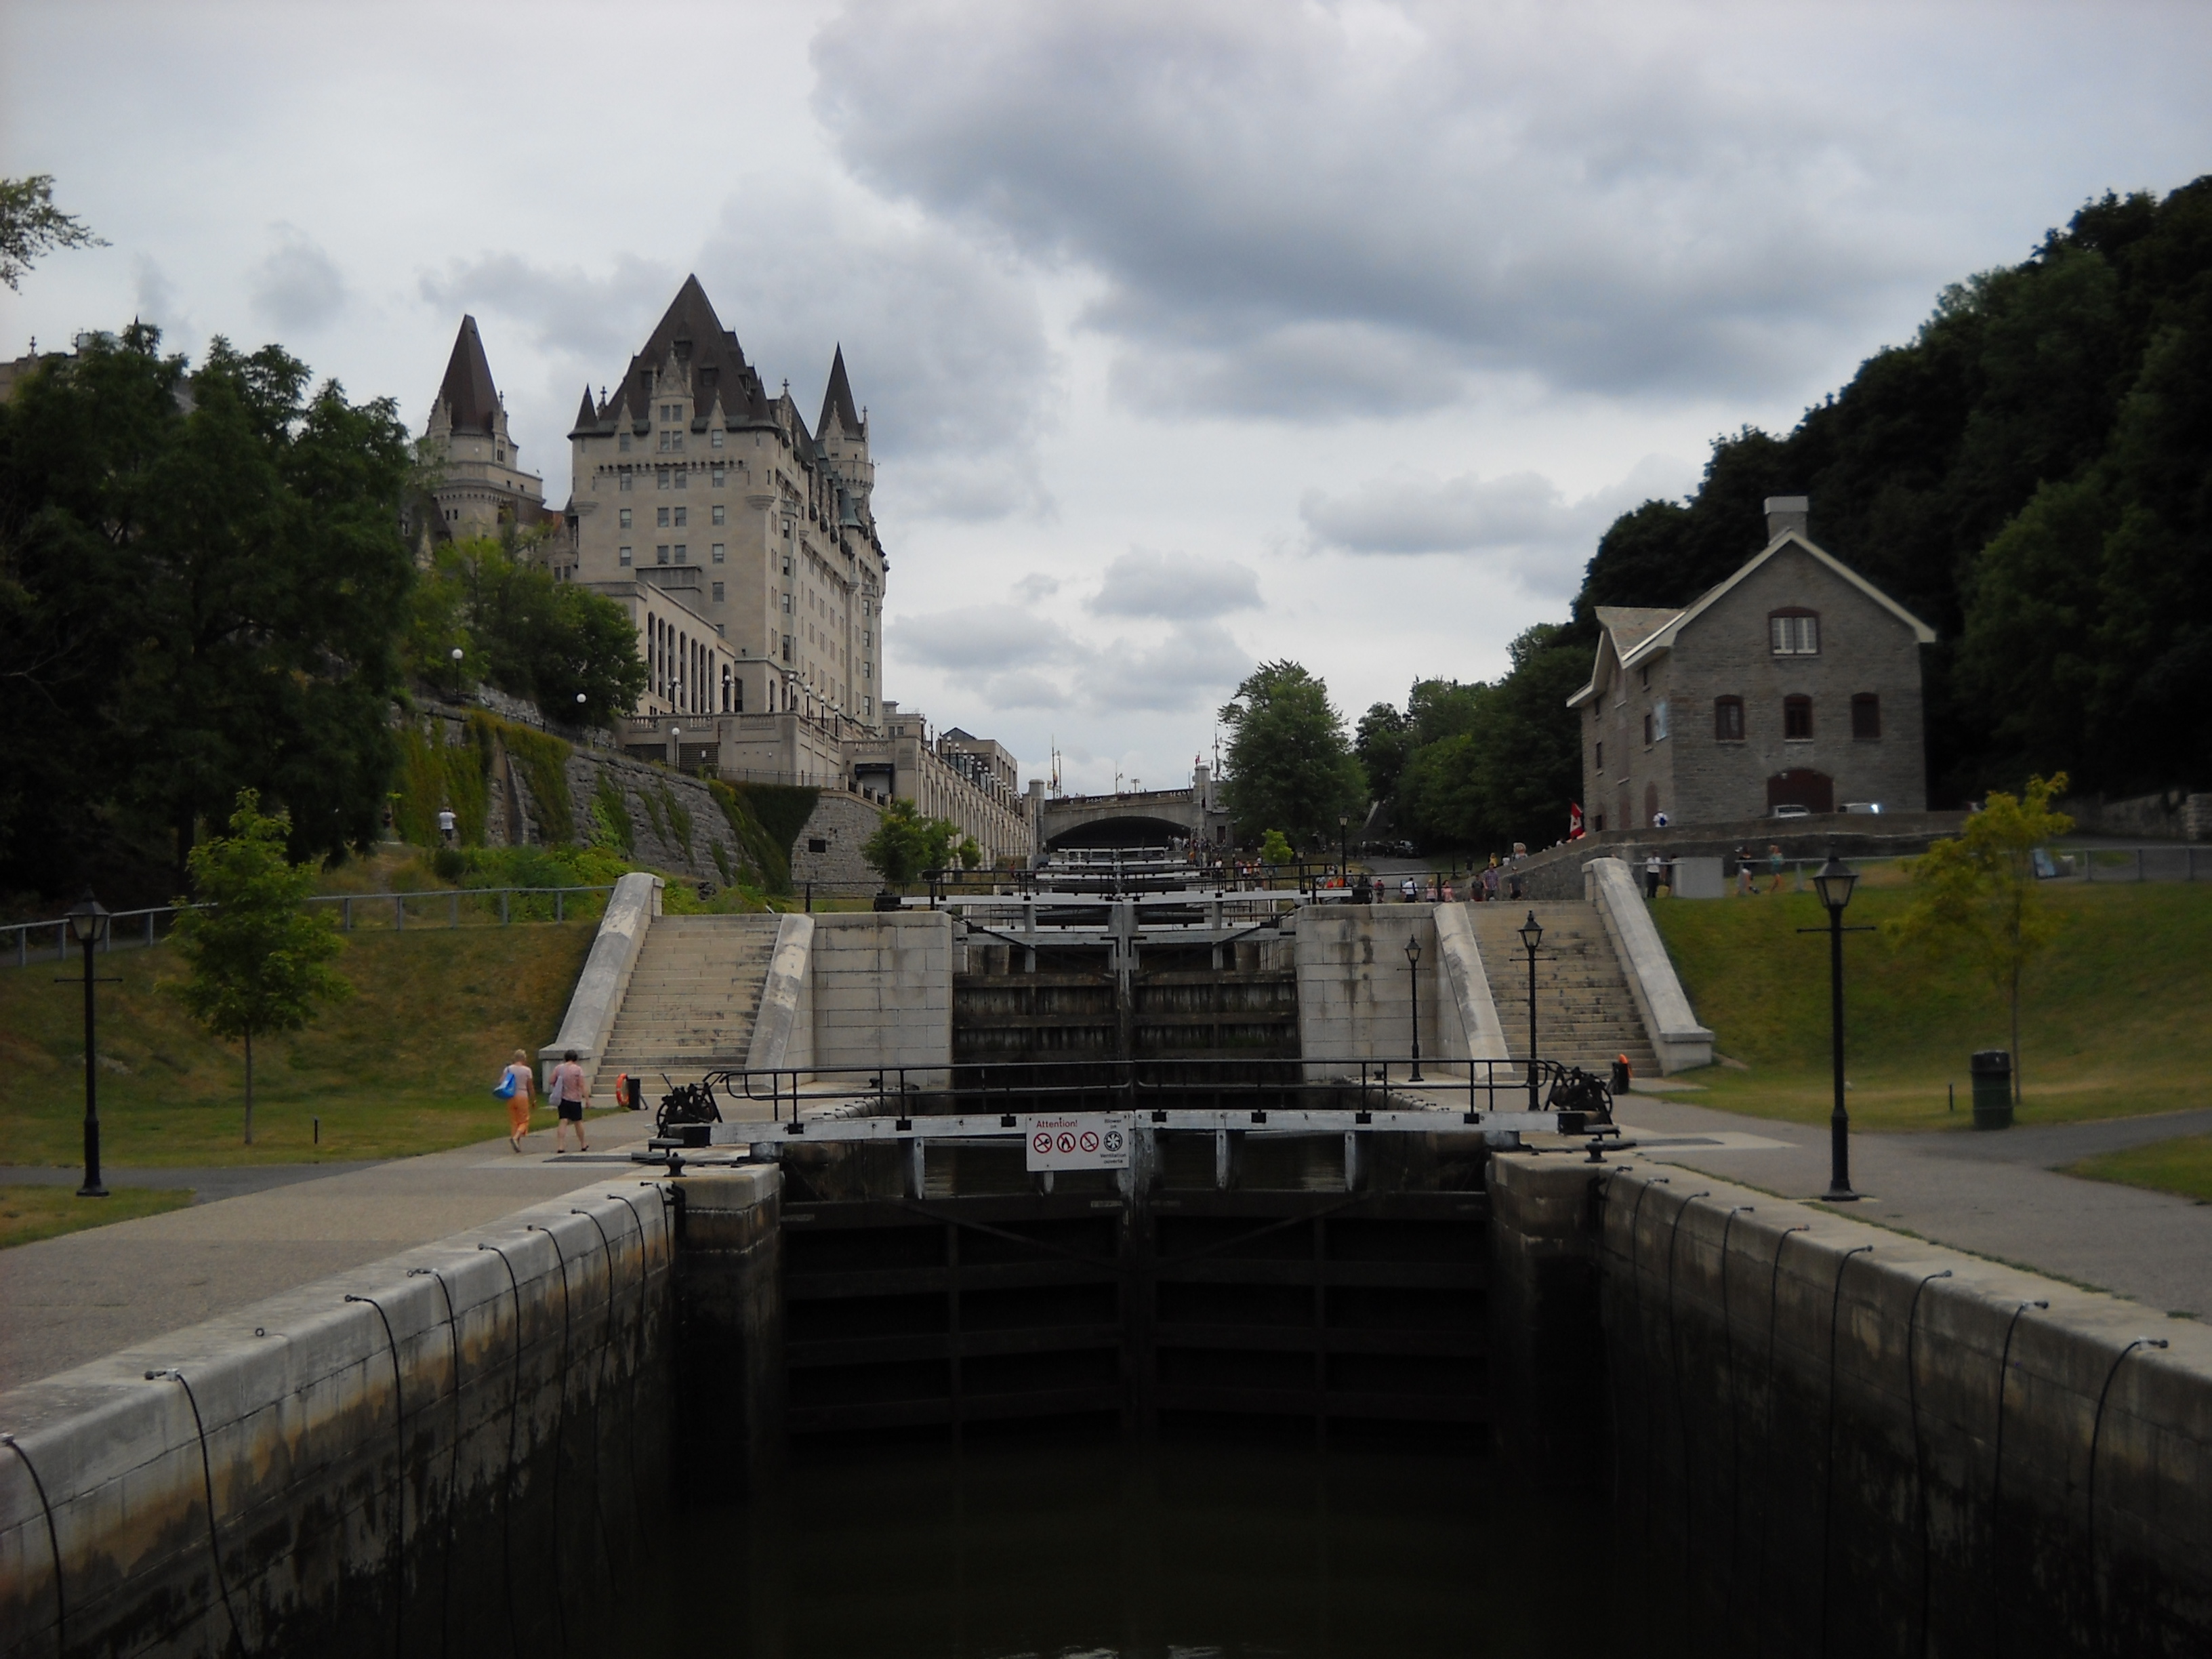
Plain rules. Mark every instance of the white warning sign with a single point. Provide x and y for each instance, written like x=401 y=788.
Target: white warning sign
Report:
x=1079 y=1140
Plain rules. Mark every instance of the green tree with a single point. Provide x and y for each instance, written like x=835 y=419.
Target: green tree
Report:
x=1273 y=849
x=31 y=226
x=258 y=961
x=1289 y=762
x=1975 y=897
x=1381 y=741
x=905 y=843
x=203 y=575
x=970 y=853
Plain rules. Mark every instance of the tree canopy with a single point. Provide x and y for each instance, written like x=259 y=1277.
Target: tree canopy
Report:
x=1290 y=765
x=201 y=575
x=31 y=226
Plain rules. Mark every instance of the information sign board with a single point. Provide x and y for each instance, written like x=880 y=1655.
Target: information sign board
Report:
x=1079 y=1140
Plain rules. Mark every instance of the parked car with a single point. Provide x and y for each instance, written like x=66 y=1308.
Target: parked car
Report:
x=1791 y=810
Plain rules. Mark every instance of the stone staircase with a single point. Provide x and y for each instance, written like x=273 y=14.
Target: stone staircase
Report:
x=1584 y=1013
x=691 y=1001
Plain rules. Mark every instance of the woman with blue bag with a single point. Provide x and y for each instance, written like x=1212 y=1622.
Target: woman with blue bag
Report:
x=514 y=1087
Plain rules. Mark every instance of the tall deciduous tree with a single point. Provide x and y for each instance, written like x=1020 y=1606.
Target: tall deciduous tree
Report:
x=905 y=843
x=257 y=960
x=31 y=226
x=204 y=577
x=1291 y=767
x=1977 y=898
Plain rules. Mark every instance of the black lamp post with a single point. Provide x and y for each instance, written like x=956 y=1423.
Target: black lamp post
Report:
x=1532 y=935
x=1834 y=885
x=87 y=921
x=1344 y=847
x=1414 y=978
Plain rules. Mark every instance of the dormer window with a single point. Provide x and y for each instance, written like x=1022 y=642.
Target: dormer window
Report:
x=1794 y=632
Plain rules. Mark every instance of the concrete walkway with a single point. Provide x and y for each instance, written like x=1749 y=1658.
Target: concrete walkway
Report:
x=1997 y=1194
x=65 y=1301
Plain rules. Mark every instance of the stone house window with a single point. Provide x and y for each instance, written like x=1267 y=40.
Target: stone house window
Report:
x=1794 y=631
x=1601 y=759
x=1728 y=720
x=1866 y=718
x=1647 y=730
x=1797 y=719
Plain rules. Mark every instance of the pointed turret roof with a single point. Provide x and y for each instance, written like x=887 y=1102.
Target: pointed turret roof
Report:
x=690 y=331
x=587 y=416
x=471 y=399
x=837 y=400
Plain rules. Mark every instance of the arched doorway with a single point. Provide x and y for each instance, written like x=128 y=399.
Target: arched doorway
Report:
x=1802 y=786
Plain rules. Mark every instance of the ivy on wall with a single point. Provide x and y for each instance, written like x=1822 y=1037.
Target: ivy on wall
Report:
x=679 y=819
x=762 y=848
x=610 y=812
x=543 y=760
x=437 y=776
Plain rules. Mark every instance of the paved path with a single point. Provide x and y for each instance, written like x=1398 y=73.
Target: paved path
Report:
x=208 y=1182
x=1996 y=1194
x=65 y=1301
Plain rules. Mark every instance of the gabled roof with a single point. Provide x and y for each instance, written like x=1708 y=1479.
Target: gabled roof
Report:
x=471 y=399
x=837 y=399
x=1635 y=634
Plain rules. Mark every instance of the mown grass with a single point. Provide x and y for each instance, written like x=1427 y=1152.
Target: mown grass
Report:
x=2114 y=1020
x=403 y=1066
x=30 y=1213
x=2183 y=1165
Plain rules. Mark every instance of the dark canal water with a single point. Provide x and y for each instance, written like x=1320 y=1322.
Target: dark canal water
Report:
x=1183 y=1550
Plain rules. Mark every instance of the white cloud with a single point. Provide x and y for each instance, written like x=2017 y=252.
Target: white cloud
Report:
x=1141 y=583
x=298 y=285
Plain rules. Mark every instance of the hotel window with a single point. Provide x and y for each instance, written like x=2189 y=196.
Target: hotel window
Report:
x=683 y=516
x=721 y=512
x=719 y=552
x=721 y=476
x=682 y=554
x=714 y=440
x=1728 y=720
x=661 y=554
x=682 y=477
x=625 y=556
x=625 y=518
x=1794 y=633
x=1797 y=719
x=786 y=604
x=622 y=443
x=721 y=632
x=625 y=481
x=660 y=477
x=1866 y=717
x=662 y=517
x=718 y=592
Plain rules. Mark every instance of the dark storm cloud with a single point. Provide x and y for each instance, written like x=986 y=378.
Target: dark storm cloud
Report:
x=1305 y=212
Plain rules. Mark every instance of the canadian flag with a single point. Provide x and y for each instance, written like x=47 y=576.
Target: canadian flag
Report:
x=1574 y=820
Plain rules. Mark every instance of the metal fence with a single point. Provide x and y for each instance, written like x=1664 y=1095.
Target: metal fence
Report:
x=453 y=907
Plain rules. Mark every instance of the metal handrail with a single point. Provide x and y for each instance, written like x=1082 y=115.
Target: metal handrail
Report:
x=152 y=918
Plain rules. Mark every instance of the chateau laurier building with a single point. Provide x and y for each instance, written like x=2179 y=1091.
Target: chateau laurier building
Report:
x=745 y=551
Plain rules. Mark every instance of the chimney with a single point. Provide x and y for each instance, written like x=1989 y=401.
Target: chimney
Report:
x=1787 y=512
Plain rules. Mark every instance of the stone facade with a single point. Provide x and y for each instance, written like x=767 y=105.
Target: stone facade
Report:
x=481 y=488
x=1794 y=681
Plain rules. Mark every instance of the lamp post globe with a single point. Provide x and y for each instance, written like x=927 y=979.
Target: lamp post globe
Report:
x=1413 y=982
x=87 y=921
x=1532 y=936
x=456 y=654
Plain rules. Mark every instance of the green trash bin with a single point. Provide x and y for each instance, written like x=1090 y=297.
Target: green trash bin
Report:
x=1992 y=1070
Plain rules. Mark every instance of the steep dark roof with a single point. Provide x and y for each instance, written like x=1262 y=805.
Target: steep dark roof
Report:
x=468 y=393
x=837 y=400
x=690 y=329
x=587 y=417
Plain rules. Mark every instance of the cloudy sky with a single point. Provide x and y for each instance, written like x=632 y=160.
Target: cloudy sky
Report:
x=1193 y=335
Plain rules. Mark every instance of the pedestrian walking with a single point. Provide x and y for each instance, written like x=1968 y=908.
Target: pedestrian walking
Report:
x=569 y=1092
x=1774 y=867
x=1744 y=886
x=517 y=1088
x=1654 y=868
x=1409 y=889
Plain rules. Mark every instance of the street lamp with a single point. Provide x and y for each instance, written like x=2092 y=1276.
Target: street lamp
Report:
x=1344 y=847
x=1414 y=978
x=87 y=921
x=1532 y=935
x=1834 y=885
x=457 y=673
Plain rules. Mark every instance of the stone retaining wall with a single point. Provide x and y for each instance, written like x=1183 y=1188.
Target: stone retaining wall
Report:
x=456 y=1450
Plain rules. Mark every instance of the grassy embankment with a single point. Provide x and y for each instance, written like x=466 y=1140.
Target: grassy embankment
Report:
x=405 y=1065
x=2182 y=1165
x=2113 y=1021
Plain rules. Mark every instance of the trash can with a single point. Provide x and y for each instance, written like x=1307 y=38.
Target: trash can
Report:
x=1620 y=1076
x=1992 y=1070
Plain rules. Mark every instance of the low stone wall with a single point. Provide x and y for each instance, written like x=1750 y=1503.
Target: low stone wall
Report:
x=1557 y=872
x=2170 y=815
x=841 y=823
x=1680 y=1042
x=1841 y=1439
x=456 y=1450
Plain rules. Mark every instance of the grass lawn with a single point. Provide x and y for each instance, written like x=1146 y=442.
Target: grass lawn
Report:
x=403 y=1066
x=2182 y=1166
x=29 y=1213
x=2113 y=1023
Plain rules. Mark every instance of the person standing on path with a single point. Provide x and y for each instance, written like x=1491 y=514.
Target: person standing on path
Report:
x=524 y=1090
x=1654 y=868
x=1774 y=867
x=569 y=1091
x=1745 y=886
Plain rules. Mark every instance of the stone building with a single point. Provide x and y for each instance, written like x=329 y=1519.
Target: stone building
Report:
x=1795 y=682
x=744 y=548
x=481 y=488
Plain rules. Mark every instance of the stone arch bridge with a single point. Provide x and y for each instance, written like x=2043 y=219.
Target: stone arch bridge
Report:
x=1147 y=817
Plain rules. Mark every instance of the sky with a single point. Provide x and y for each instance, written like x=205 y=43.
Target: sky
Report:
x=1193 y=336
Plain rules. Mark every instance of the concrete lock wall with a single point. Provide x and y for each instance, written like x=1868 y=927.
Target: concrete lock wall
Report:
x=882 y=992
x=1356 y=988
x=729 y=1351
x=1842 y=1440
x=454 y=1448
